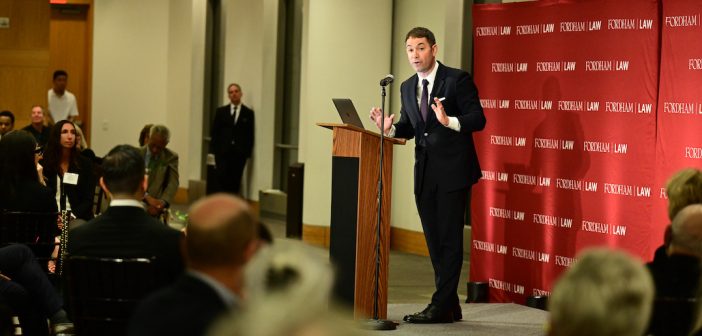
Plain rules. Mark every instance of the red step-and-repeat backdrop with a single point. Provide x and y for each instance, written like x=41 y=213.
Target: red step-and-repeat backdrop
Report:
x=569 y=157
x=680 y=99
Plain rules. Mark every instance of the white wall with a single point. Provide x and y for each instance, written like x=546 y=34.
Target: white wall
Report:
x=344 y=54
x=130 y=67
x=148 y=63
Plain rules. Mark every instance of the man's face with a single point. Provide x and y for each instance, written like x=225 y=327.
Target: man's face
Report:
x=156 y=144
x=420 y=54
x=37 y=115
x=234 y=94
x=6 y=125
x=68 y=136
x=60 y=84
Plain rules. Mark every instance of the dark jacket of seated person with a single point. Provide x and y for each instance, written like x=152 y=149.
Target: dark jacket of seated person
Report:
x=20 y=189
x=125 y=230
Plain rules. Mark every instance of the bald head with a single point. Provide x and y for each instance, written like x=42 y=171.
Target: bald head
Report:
x=220 y=229
x=687 y=231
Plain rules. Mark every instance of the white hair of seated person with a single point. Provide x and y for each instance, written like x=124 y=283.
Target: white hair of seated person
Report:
x=604 y=293
x=287 y=290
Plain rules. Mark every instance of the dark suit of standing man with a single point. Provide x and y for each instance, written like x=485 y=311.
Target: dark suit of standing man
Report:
x=446 y=164
x=232 y=141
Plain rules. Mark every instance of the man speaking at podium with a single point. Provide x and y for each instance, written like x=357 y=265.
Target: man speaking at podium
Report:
x=440 y=110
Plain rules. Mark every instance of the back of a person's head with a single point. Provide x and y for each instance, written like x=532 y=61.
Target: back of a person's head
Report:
x=17 y=160
x=683 y=188
x=123 y=170
x=288 y=289
x=220 y=232
x=686 y=236
x=604 y=293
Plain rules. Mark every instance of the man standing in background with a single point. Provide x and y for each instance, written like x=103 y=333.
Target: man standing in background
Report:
x=62 y=103
x=232 y=135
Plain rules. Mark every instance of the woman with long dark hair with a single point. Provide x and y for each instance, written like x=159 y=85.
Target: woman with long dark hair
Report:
x=68 y=174
x=20 y=187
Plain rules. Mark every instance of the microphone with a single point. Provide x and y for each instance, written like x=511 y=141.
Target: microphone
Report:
x=387 y=80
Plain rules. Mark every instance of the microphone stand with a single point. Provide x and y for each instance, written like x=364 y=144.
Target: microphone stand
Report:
x=376 y=323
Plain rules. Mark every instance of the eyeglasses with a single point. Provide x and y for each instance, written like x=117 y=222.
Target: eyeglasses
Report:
x=38 y=151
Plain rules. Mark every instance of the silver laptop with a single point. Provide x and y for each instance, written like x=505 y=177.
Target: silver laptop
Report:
x=347 y=112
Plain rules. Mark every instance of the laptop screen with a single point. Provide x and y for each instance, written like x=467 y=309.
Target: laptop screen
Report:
x=347 y=112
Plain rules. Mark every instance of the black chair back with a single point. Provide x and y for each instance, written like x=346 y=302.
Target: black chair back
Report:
x=672 y=316
x=103 y=292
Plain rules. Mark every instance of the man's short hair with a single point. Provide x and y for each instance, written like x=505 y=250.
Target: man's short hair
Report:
x=604 y=293
x=123 y=169
x=160 y=130
x=223 y=236
x=59 y=73
x=683 y=188
x=687 y=229
x=420 y=32
x=234 y=84
x=9 y=115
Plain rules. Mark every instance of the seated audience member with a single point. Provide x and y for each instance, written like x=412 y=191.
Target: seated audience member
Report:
x=83 y=147
x=20 y=187
x=144 y=135
x=162 y=168
x=124 y=230
x=69 y=175
x=604 y=293
x=7 y=122
x=28 y=292
x=220 y=239
x=678 y=274
x=288 y=290
x=37 y=128
x=683 y=189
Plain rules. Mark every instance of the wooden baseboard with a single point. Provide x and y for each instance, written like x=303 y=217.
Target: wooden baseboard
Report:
x=400 y=239
x=408 y=241
x=315 y=235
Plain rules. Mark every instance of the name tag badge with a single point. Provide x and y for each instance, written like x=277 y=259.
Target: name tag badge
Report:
x=70 y=178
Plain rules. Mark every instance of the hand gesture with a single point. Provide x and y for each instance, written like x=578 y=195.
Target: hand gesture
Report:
x=439 y=112
x=376 y=115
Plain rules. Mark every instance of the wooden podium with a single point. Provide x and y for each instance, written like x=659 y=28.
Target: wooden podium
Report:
x=354 y=211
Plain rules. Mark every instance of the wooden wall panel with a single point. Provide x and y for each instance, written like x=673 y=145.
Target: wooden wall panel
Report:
x=71 y=50
x=24 y=57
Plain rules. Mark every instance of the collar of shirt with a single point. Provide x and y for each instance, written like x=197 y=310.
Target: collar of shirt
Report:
x=233 y=108
x=126 y=202
x=430 y=78
x=229 y=298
